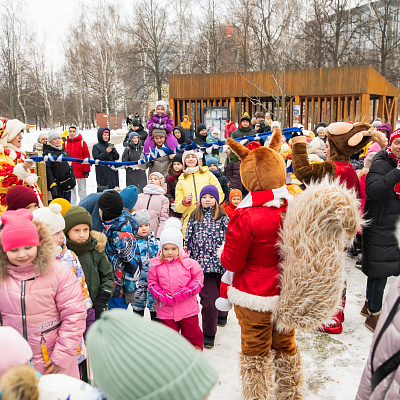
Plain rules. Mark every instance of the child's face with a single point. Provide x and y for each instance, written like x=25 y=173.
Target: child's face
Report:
x=170 y=251
x=212 y=167
x=135 y=139
x=143 y=230
x=208 y=201
x=153 y=180
x=32 y=207
x=177 y=166
x=21 y=256
x=59 y=238
x=191 y=160
x=228 y=151
x=236 y=200
x=160 y=110
x=79 y=233
x=216 y=135
x=160 y=140
x=177 y=133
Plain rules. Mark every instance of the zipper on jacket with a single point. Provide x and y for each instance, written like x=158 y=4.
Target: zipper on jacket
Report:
x=195 y=190
x=43 y=345
x=23 y=309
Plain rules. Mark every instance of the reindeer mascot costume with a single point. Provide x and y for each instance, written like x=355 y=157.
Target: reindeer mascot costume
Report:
x=344 y=139
x=286 y=264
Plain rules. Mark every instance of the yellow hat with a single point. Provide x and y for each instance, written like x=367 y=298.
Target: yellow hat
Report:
x=65 y=205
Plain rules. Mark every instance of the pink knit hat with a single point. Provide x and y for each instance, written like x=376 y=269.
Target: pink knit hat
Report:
x=186 y=153
x=19 y=230
x=161 y=178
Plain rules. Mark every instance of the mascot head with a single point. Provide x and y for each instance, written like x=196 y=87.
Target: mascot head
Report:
x=262 y=168
x=346 y=138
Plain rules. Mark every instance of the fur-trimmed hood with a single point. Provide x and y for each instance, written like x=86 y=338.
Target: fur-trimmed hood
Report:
x=101 y=240
x=45 y=257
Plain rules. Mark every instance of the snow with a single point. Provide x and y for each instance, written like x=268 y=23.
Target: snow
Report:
x=332 y=364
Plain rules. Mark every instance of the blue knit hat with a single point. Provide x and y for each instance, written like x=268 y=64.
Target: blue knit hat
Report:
x=132 y=134
x=210 y=189
x=129 y=196
x=212 y=160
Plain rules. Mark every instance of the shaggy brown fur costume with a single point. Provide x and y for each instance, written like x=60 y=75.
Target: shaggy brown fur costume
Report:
x=345 y=139
x=313 y=259
x=289 y=378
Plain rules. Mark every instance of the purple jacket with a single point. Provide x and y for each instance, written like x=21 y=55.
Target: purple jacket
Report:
x=171 y=142
x=388 y=345
x=175 y=284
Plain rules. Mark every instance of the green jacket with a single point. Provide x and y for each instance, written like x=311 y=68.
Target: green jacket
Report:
x=98 y=270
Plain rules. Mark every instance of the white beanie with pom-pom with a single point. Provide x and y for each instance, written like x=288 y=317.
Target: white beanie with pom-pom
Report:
x=172 y=233
x=50 y=216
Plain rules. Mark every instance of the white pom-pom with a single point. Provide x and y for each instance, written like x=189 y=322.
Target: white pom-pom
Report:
x=31 y=179
x=285 y=147
x=223 y=304
x=20 y=172
x=55 y=208
x=173 y=223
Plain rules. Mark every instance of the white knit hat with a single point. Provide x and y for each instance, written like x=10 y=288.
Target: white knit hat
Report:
x=51 y=216
x=275 y=123
x=13 y=128
x=172 y=233
x=163 y=104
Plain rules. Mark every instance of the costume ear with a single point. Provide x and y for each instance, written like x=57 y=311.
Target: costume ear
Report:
x=276 y=140
x=238 y=149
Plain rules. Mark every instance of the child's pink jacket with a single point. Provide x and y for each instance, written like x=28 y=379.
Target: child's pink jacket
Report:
x=174 y=285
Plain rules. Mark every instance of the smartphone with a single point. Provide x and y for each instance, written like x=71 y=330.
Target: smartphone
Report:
x=111 y=144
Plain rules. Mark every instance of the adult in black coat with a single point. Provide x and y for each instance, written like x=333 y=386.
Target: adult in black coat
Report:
x=180 y=135
x=244 y=129
x=134 y=152
x=102 y=151
x=57 y=171
x=381 y=257
x=136 y=127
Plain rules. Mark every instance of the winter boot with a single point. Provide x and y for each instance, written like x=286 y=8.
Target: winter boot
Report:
x=257 y=377
x=289 y=377
x=222 y=321
x=372 y=320
x=364 y=310
x=208 y=341
x=340 y=313
x=333 y=326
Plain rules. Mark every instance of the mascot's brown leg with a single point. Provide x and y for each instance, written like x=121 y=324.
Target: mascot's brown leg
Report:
x=289 y=377
x=256 y=359
x=288 y=371
x=257 y=377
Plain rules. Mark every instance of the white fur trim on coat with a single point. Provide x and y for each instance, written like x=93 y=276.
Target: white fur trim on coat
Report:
x=252 y=301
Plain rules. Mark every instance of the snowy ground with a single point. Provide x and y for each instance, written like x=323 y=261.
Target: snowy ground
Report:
x=332 y=364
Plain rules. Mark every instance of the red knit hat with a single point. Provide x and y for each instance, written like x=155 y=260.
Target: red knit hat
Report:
x=394 y=135
x=20 y=197
x=19 y=230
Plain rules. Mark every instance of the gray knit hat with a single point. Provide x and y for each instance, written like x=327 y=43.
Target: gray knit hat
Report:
x=53 y=135
x=135 y=358
x=142 y=217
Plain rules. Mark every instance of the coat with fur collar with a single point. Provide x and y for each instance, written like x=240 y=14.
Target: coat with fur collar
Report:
x=44 y=300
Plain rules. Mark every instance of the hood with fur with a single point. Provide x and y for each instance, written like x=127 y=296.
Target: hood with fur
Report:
x=46 y=252
x=101 y=240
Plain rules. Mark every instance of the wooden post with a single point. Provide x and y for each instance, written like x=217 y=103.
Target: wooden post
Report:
x=393 y=117
x=42 y=181
x=325 y=116
x=172 y=107
x=338 y=109
x=319 y=114
x=381 y=108
x=305 y=113
x=364 y=107
x=233 y=110
x=346 y=109
x=195 y=112
x=312 y=113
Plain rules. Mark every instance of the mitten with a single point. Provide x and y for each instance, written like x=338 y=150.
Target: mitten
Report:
x=53 y=191
x=90 y=318
x=296 y=134
x=163 y=126
x=156 y=125
x=86 y=174
x=100 y=302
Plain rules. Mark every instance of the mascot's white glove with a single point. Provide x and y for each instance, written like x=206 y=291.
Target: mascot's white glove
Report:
x=21 y=171
x=223 y=303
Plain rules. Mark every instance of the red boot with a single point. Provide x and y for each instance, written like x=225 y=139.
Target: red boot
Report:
x=340 y=313
x=333 y=326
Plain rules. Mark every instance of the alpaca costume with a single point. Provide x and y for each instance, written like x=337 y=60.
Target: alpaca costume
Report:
x=276 y=286
x=345 y=139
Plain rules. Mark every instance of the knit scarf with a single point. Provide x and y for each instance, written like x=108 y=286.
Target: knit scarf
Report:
x=191 y=170
x=155 y=189
x=268 y=198
x=79 y=248
x=397 y=185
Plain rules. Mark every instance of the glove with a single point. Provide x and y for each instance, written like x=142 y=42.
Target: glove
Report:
x=296 y=134
x=86 y=174
x=156 y=125
x=90 y=317
x=53 y=191
x=163 y=126
x=100 y=302
x=185 y=202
